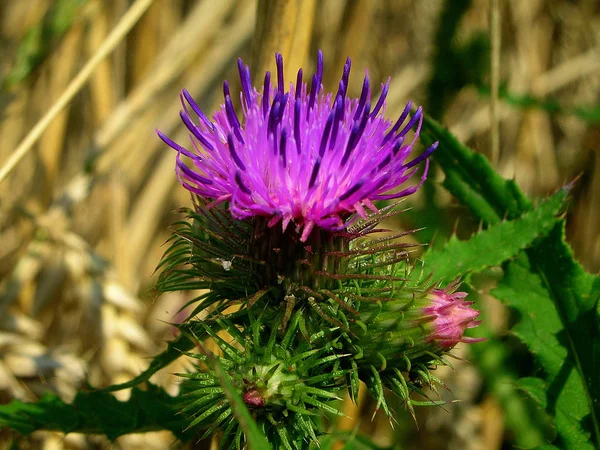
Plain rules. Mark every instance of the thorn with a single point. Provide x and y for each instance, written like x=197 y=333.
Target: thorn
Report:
x=569 y=186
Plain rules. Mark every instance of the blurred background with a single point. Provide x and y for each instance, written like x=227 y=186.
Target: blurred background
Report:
x=86 y=211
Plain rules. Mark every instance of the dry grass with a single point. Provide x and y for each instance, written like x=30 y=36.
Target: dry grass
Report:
x=78 y=247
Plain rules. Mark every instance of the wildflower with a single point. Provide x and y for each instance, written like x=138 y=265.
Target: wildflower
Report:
x=452 y=315
x=299 y=155
x=415 y=324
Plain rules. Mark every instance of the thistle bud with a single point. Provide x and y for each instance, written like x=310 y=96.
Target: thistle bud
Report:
x=411 y=333
x=283 y=380
x=452 y=315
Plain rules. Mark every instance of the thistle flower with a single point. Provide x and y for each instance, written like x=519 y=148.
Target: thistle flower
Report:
x=299 y=155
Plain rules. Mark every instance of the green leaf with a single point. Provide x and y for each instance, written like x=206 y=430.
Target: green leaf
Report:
x=39 y=40
x=495 y=245
x=564 y=349
x=50 y=410
x=496 y=364
x=471 y=179
x=566 y=297
x=536 y=388
x=103 y=413
x=96 y=413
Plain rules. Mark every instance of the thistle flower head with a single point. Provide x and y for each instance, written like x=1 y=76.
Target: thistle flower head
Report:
x=452 y=315
x=299 y=155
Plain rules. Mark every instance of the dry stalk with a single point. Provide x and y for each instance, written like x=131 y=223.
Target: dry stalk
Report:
x=52 y=142
x=183 y=47
x=102 y=83
x=352 y=37
x=479 y=121
x=495 y=38
x=123 y=27
x=285 y=27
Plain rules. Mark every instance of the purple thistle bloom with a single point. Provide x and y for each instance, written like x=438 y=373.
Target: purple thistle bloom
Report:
x=301 y=156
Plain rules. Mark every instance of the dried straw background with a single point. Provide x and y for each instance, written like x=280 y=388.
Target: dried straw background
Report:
x=84 y=214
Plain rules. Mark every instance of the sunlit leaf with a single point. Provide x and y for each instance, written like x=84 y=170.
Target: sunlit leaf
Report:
x=495 y=245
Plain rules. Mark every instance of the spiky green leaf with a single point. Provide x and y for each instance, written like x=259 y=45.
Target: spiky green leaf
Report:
x=96 y=412
x=493 y=246
x=549 y=265
x=564 y=337
x=472 y=180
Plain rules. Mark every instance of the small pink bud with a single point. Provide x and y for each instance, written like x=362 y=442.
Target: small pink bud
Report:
x=254 y=397
x=452 y=315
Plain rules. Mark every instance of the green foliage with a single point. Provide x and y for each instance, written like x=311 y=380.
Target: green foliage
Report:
x=495 y=245
x=38 y=41
x=455 y=64
x=96 y=412
x=283 y=378
x=499 y=370
x=546 y=279
x=255 y=437
x=590 y=114
x=210 y=251
x=558 y=324
x=470 y=178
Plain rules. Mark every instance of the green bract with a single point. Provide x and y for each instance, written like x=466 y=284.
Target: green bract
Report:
x=284 y=380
